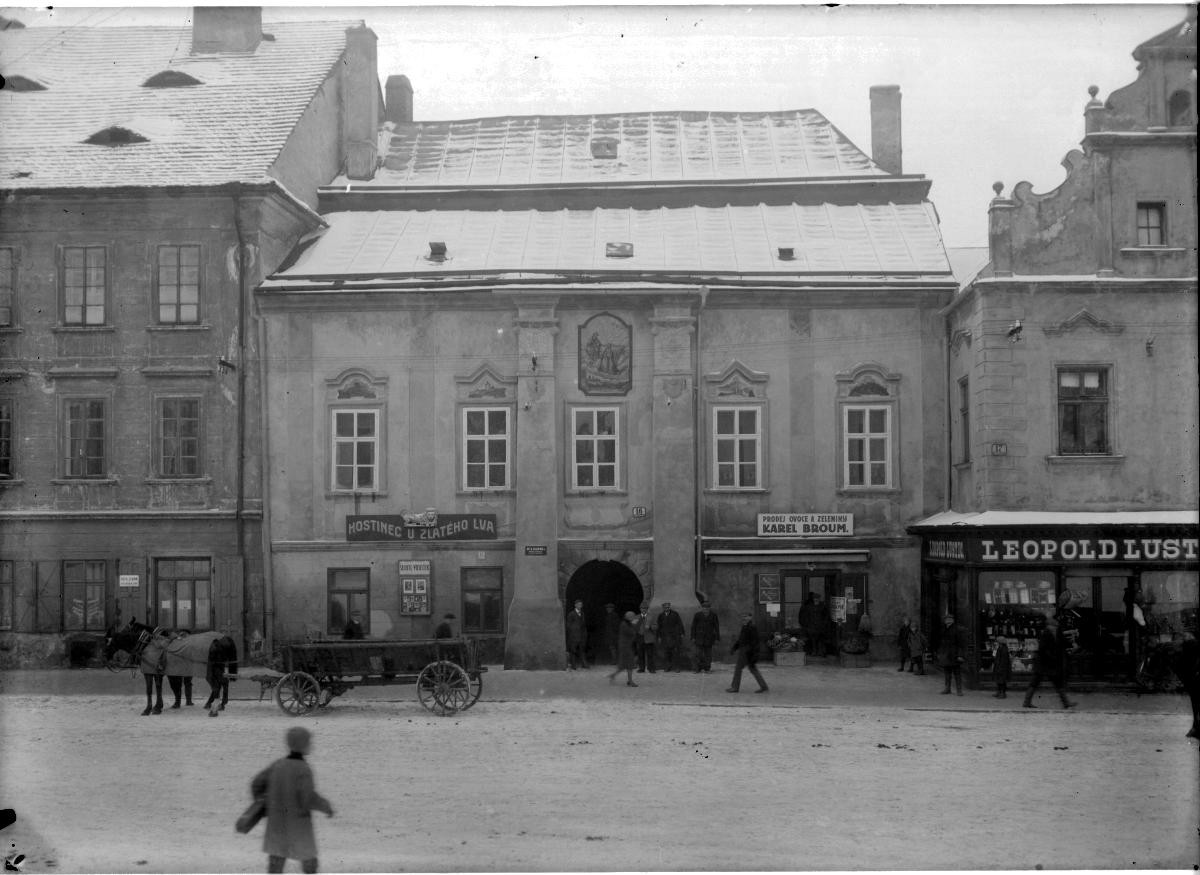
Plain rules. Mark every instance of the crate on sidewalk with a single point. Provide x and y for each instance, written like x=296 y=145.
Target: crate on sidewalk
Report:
x=789 y=657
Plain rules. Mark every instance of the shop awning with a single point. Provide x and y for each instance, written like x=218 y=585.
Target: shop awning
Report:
x=721 y=554
x=1007 y=518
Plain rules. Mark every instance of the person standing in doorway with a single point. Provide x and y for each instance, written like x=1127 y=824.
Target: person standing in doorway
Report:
x=670 y=636
x=746 y=648
x=1048 y=665
x=952 y=653
x=291 y=797
x=612 y=629
x=576 y=638
x=1001 y=668
x=706 y=631
x=647 y=637
x=916 y=647
x=904 y=642
x=626 y=654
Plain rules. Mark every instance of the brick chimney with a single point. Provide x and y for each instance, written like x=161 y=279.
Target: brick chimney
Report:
x=226 y=29
x=886 y=148
x=361 y=112
x=399 y=97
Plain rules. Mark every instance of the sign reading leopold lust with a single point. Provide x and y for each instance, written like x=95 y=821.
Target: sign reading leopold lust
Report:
x=430 y=527
x=1055 y=549
x=805 y=524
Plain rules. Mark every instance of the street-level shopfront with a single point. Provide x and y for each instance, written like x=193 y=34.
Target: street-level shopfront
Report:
x=1003 y=573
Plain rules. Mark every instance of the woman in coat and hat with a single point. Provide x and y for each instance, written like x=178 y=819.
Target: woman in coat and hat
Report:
x=626 y=655
x=291 y=797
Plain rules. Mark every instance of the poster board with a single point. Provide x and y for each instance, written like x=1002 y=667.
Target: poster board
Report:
x=416 y=587
x=768 y=588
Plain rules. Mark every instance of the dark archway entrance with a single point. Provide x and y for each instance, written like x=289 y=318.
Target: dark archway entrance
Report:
x=598 y=583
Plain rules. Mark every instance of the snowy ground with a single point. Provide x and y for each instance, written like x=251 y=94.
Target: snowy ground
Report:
x=561 y=772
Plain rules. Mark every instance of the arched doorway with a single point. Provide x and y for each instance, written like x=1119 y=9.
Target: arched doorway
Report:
x=598 y=583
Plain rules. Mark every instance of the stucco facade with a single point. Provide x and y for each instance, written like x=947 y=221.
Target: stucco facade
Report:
x=131 y=482
x=1072 y=387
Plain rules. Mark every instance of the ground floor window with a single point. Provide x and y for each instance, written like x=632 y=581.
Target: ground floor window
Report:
x=83 y=595
x=184 y=593
x=1013 y=607
x=349 y=593
x=1170 y=601
x=6 y=593
x=482 y=600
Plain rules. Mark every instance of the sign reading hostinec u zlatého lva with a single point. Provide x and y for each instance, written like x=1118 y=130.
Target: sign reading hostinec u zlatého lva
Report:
x=811 y=525
x=429 y=527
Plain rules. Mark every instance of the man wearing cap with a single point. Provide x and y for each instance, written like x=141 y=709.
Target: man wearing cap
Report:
x=444 y=629
x=354 y=629
x=746 y=648
x=706 y=631
x=952 y=652
x=647 y=637
x=576 y=637
x=670 y=636
x=291 y=797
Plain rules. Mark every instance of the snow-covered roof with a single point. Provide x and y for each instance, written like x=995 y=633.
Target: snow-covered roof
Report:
x=1003 y=518
x=619 y=147
x=825 y=239
x=105 y=83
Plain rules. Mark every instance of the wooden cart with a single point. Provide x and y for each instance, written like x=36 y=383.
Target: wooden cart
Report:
x=446 y=671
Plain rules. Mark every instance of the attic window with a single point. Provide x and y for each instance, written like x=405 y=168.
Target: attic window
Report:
x=787 y=253
x=618 y=250
x=22 y=83
x=437 y=251
x=604 y=147
x=115 y=136
x=171 y=79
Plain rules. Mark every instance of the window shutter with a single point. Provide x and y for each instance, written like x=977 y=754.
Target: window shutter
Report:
x=48 y=595
x=24 y=597
x=227 y=593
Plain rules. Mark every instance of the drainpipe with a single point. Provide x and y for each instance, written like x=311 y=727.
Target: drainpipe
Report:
x=948 y=456
x=268 y=618
x=698 y=464
x=239 y=228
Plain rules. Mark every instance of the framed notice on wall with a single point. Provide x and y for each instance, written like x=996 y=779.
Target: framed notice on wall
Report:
x=416 y=586
x=768 y=588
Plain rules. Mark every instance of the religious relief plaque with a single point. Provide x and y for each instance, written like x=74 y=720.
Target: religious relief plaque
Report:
x=605 y=356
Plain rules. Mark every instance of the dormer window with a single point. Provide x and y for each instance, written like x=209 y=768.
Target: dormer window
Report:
x=115 y=136
x=604 y=147
x=22 y=83
x=618 y=250
x=171 y=79
x=1179 y=110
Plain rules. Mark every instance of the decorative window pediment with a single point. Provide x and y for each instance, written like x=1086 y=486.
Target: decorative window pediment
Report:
x=868 y=380
x=737 y=381
x=356 y=383
x=1084 y=319
x=486 y=384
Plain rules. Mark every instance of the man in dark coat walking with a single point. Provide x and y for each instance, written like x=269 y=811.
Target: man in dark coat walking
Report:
x=1048 y=665
x=222 y=665
x=706 y=631
x=746 y=648
x=670 y=636
x=291 y=797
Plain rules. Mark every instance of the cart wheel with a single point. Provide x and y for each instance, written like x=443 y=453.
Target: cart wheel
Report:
x=475 y=682
x=297 y=693
x=443 y=688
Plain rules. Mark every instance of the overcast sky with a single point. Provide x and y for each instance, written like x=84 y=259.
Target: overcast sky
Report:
x=990 y=93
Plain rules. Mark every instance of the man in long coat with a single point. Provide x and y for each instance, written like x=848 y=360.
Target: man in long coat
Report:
x=952 y=653
x=746 y=648
x=576 y=637
x=647 y=637
x=706 y=631
x=292 y=797
x=670 y=636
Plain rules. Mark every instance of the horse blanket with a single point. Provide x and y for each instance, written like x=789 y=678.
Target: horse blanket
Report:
x=188 y=654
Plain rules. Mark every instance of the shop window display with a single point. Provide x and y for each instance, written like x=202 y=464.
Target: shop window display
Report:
x=1170 y=604
x=1013 y=607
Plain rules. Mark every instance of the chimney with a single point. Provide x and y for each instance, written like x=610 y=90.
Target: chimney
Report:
x=226 y=29
x=361 y=90
x=886 y=149
x=399 y=96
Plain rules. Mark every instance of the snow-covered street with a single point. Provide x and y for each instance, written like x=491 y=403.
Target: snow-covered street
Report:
x=839 y=769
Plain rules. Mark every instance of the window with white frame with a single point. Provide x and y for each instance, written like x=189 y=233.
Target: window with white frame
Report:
x=184 y=593
x=1083 y=411
x=486 y=448
x=83 y=595
x=84 y=438
x=349 y=593
x=178 y=285
x=84 y=285
x=595 y=448
x=867 y=445
x=1151 y=224
x=355 y=450
x=737 y=447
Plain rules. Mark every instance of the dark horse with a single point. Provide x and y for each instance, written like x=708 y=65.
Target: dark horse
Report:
x=203 y=654
x=1185 y=662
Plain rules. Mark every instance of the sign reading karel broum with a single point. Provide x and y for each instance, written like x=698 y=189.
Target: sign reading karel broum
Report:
x=811 y=525
x=448 y=527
